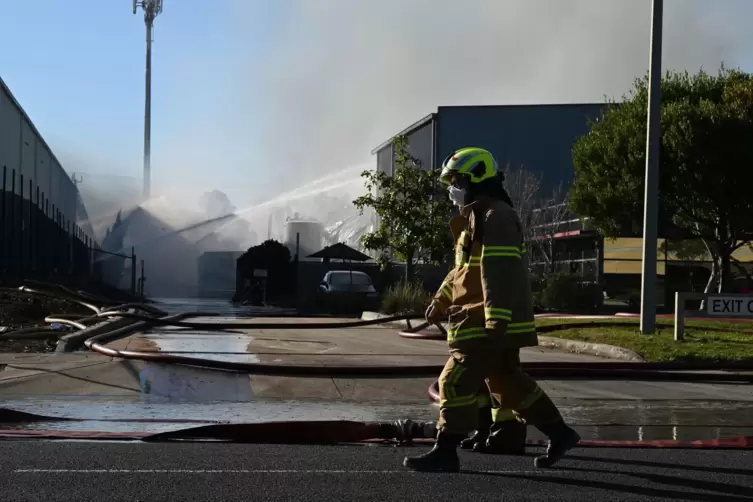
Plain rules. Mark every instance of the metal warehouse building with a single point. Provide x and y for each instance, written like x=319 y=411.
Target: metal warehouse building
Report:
x=40 y=208
x=539 y=137
x=25 y=152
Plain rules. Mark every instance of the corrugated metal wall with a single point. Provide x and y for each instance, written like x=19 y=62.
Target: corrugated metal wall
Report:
x=384 y=160
x=23 y=149
x=420 y=143
x=539 y=137
x=38 y=204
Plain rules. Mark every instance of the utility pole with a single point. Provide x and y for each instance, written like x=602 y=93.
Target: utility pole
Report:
x=152 y=8
x=75 y=180
x=651 y=200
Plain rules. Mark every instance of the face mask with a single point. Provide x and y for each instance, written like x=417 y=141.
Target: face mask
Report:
x=457 y=195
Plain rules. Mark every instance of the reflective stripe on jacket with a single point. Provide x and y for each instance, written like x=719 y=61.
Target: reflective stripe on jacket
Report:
x=490 y=278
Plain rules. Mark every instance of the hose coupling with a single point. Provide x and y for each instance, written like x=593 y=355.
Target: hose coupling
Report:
x=408 y=430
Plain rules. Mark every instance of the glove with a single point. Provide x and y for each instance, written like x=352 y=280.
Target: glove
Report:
x=433 y=314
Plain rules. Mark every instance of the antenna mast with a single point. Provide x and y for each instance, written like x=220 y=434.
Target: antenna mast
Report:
x=152 y=8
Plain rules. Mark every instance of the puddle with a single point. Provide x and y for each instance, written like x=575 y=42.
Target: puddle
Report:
x=184 y=382
x=652 y=421
x=658 y=413
x=222 y=308
x=181 y=382
x=95 y=413
x=217 y=346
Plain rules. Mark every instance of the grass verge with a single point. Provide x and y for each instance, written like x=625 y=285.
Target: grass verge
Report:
x=702 y=342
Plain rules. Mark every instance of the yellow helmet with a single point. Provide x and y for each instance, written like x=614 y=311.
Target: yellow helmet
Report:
x=475 y=163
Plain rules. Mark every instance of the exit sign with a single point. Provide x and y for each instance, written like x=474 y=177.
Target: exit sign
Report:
x=730 y=306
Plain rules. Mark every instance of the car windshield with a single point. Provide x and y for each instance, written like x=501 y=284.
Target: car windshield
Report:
x=344 y=278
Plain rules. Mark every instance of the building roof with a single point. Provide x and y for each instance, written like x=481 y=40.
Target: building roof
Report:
x=431 y=116
x=405 y=131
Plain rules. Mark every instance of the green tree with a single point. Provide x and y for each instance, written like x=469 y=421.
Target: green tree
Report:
x=686 y=250
x=413 y=212
x=706 y=164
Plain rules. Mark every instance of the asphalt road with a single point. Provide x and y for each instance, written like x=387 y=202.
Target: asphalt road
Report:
x=66 y=471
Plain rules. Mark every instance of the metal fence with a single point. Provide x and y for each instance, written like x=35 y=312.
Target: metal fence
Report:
x=37 y=240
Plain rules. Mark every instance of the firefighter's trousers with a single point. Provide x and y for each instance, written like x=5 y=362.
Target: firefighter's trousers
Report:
x=514 y=393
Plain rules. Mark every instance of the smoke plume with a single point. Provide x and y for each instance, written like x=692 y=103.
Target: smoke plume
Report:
x=344 y=75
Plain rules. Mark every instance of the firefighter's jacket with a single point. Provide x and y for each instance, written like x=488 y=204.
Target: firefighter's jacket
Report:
x=490 y=280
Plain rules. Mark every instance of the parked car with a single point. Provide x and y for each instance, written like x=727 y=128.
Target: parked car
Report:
x=347 y=292
x=346 y=281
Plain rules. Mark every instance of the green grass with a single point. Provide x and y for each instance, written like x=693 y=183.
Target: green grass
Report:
x=700 y=344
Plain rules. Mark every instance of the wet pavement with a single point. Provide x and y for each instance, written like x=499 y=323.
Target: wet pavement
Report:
x=119 y=396
x=222 y=308
x=217 y=346
x=617 y=420
x=134 y=397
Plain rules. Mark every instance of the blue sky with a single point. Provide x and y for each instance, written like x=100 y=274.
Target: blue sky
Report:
x=255 y=96
x=77 y=68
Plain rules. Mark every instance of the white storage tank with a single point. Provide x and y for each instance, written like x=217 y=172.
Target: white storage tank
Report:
x=311 y=234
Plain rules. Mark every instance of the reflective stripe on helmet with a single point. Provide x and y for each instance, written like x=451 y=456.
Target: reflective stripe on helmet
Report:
x=464 y=161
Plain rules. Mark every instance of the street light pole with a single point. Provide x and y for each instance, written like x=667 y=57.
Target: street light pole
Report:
x=651 y=200
x=151 y=8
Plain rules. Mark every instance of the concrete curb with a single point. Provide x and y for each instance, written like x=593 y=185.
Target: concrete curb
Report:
x=574 y=346
x=593 y=349
x=75 y=341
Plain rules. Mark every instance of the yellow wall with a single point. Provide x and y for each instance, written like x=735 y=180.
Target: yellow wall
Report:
x=618 y=251
x=624 y=255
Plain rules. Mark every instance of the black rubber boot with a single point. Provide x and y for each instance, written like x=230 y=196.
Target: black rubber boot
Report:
x=505 y=438
x=479 y=436
x=561 y=439
x=442 y=458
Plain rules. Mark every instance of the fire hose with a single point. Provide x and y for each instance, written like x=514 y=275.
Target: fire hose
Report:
x=677 y=371
x=405 y=432
x=402 y=430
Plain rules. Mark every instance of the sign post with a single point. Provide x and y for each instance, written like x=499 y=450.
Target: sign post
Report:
x=727 y=305
x=651 y=195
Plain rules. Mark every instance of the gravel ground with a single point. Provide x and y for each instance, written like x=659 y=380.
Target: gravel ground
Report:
x=23 y=310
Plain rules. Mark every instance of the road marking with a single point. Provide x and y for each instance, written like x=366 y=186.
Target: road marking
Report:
x=235 y=471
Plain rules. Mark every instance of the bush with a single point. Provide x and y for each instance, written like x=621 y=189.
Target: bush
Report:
x=568 y=292
x=405 y=297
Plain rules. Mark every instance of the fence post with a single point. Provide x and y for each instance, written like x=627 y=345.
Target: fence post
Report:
x=3 y=240
x=12 y=240
x=21 y=229
x=30 y=228
x=55 y=238
x=142 y=279
x=133 y=270
x=47 y=235
x=679 y=316
x=68 y=248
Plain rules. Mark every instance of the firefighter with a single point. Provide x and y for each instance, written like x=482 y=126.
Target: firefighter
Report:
x=487 y=300
x=494 y=433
